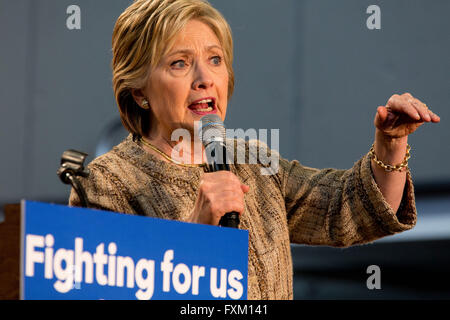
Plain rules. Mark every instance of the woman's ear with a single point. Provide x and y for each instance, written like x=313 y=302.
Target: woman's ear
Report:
x=140 y=99
x=138 y=96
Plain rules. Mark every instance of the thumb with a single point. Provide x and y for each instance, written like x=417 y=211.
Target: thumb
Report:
x=381 y=116
x=245 y=188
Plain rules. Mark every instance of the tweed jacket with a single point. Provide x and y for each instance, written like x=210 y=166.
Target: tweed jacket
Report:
x=295 y=204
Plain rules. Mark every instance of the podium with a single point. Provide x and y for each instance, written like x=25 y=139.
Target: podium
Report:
x=50 y=251
x=10 y=253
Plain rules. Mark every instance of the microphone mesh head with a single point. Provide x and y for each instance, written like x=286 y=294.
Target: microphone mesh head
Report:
x=212 y=129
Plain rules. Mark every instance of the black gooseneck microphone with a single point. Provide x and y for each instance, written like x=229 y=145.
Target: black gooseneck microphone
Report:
x=72 y=166
x=212 y=134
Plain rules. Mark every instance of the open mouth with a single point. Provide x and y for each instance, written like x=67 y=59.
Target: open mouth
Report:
x=203 y=106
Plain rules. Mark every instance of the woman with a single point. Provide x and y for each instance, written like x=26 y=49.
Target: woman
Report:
x=171 y=65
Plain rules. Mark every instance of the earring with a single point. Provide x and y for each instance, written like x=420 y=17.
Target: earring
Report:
x=145 y=104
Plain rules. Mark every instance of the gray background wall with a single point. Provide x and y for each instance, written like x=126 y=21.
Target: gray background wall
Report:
x=308 y=67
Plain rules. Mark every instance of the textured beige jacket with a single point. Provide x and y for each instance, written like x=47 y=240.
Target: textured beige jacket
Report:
x=298 y=204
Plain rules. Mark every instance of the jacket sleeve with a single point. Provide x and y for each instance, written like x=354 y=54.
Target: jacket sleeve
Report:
x=341 y=207
x=104 y=191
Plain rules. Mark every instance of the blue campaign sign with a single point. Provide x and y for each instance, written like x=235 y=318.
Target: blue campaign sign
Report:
x=76 y=253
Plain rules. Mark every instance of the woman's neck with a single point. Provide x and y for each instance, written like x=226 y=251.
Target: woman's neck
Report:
x=185 y=151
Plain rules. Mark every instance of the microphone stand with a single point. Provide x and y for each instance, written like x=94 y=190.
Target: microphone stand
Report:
x=72 y=166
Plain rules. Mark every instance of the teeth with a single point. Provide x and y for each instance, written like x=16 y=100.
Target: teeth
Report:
x=205 y=110
x=205 y=101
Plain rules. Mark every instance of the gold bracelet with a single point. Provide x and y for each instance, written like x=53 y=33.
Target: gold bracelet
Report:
x=388 y=167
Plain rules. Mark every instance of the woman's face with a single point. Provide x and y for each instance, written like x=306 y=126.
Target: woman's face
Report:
x=190 y=81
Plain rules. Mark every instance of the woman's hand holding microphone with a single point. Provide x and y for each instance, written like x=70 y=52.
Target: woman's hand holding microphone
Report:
x=218 y=193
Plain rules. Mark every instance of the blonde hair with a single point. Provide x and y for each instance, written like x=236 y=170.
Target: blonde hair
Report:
x=142 y=34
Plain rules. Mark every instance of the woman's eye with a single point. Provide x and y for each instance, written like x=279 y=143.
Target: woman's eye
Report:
x=216 y=60
x=178 y=64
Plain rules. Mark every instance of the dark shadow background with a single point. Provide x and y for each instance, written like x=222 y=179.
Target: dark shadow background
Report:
x=309 y=68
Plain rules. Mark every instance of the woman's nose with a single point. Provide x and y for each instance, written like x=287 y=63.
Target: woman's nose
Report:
x=202 y=78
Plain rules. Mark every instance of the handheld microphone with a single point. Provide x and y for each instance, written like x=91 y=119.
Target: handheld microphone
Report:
x=212 y=134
